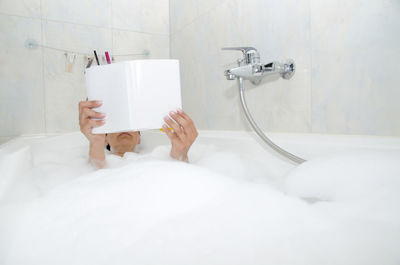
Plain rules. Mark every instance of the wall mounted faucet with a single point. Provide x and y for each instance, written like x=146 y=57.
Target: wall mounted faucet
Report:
x=250 y=68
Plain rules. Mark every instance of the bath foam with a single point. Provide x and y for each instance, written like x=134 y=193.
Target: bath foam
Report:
x=149 y=209
x=347 y=176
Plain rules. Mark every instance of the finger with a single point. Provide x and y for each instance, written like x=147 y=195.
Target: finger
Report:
x=93 y=114
x=190 y=124
x=184 y=115
x=89 y=104
x=192 y=135
x=188 y=128
x=95 y=123
x=179 y=119
x=170 y=135
x=177 y=129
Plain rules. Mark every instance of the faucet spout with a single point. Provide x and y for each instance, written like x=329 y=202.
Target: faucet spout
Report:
x=246 y=72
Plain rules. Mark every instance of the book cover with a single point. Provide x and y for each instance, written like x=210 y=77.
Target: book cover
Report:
x=136 y=95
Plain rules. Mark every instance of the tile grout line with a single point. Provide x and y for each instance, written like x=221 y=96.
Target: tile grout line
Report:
x=19 y=16
x=112 y=30
x=43 y=68
x=205 y=13
x=311 y=69
x=169 y=27
x=86 y=25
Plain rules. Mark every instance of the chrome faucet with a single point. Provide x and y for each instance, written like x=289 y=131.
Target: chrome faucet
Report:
x=250 y=68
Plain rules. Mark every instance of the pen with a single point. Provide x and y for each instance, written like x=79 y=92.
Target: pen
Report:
x=108 y=58
x=97 y=58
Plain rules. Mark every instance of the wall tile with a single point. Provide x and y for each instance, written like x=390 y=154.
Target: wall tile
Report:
x=185 y=12
x=346 y=55
x=4 y=139
x=182 y=12
x=128 y=42
x=21 y=82
x=355 y=59
x=141 y=15
x=33 y=96
x=63 y=90
x=280 y=105
x=88 y=12
x=76 y=37
x=26 y=8
x=205 y=6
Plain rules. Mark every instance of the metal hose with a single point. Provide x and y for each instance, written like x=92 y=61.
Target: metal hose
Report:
x=259 y=132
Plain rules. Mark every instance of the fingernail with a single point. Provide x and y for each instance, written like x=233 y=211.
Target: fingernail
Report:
x=166 y=118
x=172 y=113
x=102 y=114
x=165 y=126
x=179 y=111
x=99 y=102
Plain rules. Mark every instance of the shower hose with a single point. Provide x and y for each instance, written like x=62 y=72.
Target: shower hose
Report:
x=259 y=132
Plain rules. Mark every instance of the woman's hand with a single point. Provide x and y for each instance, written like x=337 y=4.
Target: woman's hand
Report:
x=183 y=135
x=86 y=123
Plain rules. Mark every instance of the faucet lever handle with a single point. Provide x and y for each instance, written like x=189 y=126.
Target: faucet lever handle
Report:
x=242 y=49
x=250 y=54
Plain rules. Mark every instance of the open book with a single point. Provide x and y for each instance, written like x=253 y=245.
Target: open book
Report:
x=136 y=95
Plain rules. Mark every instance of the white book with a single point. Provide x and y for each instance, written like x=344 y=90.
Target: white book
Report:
x=136 y=95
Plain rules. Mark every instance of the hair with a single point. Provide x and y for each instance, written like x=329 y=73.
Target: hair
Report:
x=108 y=146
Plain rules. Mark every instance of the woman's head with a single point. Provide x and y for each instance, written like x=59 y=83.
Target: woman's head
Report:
x=120 y=143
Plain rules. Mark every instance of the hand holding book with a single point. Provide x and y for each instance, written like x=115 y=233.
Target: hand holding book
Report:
x=183 y=134
x=88 y=119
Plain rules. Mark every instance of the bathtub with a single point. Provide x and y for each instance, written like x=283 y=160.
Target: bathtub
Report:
x=237 y=202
